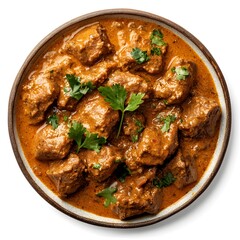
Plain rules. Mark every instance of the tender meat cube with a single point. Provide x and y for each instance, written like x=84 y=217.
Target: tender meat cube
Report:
x=138 y=38
x=101 y=165
x=67 y=175
x=199 y=117
x=132 y=83
x=38 y=95
x=96 y=114
x=184 y=170
x=89 y=44
x=137 y=195
x=52 y=144
x=133 y=125
x=174 y=86
x=157 y=141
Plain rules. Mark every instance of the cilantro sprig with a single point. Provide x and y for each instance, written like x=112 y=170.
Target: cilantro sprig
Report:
x=53 y=120
x=84 y=138
x=156 y=38
x=167 y=121
x=181 y=72
x=107 y=193
x=167 y=180
x=77 y=89
x=116 y=96
x=139 y=55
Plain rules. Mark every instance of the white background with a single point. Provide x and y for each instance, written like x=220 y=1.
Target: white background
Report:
x=25 y=215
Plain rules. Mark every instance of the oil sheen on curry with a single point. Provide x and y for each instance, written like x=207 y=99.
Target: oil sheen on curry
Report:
x=119 y=118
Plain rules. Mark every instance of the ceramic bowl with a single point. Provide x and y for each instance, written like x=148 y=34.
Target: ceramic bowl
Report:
x=214 y=165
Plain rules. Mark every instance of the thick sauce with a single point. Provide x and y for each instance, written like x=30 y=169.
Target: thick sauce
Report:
x=86 y=198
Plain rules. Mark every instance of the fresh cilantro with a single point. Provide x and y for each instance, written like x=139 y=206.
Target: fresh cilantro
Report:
x=167 y=122
x=139 y=129
x=167 y=180
x=156 y=51
x=65 y=118
x=134 y=138
x=96 y=165
x=116 y=96
x=156 y=38
x=107 y=193
x=165 y=102
x=85 y=139
x=181 y=72
x=53 y=120
x=78 y=89
x=139 y=55
x=122 y=172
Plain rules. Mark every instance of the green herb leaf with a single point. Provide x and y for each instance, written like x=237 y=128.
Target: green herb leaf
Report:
x=78 y=89
x=53 y=120
x=107 y=193
x=181 y=72
x=156 y=51
x=116 y=96
x=139 y=55
x=85 y=139
x=140 y=126
x=96 y=165
x=167 y=180
x=156 y=38
x=122 y=172
x=134 y=138
x=167 y=122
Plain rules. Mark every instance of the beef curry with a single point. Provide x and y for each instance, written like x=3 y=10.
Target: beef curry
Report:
x=119 y=118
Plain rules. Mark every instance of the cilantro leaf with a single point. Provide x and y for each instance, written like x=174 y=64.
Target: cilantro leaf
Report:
x=85 y=139
x=53 y=120
x=96 y=166
x=139 y=129
x=116 y=96
x=122 y=172
x=167 y=180
x=78 y=89
x=167 y=122
x=156 y=38
x=139 y=55
x=107 y=193
x=156 y=51
x=181 y=72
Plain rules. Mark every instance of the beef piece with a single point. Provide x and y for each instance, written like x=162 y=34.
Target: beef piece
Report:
x=89 y=44
x=38 y=95
x=101 y=165
x=137 y=195
x=96 y=114
x=184 y=169
x=199 y=117
x=157 y=141
x=133 y=125
x=67 y=175
x=132 y=83
x=52 y=144
x=170 y=87
x=138 y=38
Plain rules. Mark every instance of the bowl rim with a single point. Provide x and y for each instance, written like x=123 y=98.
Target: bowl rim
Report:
x=113 y=13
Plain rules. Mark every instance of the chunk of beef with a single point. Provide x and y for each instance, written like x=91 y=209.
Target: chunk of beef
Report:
x=199 y=117
x=137 y=195
x=174 y=86
x=184 y=169
x=138 y=38
x=52 y=144
x=67 y=175
x=160 y=139
x=101 y=165
x=132 y=83
x=38 y=94
x=96 y=114
x=133 y=125
x=89 y=44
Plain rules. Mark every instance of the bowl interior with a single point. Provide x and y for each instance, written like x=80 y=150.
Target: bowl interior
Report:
x=225 y=126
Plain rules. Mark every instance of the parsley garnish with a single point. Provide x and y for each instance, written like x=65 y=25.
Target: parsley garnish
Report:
x=122 y=172
x=181 y=72
x=156 y=51
x=165 y=181
x=78 y=89
x=53 y=120
x=96 y=165
x=139 y=55
x=139 y=129
x=107 y=193
x=157 y=38
x=167 y=122
x=85 y=139
x=116 y=95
